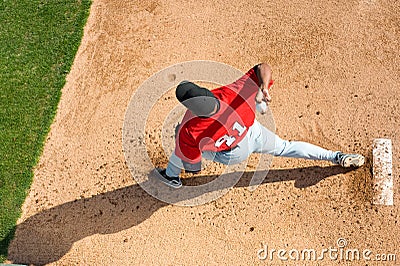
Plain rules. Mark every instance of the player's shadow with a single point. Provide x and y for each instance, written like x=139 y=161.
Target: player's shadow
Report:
x=47 y=236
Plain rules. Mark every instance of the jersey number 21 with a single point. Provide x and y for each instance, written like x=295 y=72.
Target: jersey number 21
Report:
x=229 y=140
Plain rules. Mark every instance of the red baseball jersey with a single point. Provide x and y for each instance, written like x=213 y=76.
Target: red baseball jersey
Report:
x=225 y=129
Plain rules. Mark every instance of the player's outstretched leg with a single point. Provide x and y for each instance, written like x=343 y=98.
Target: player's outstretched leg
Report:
x=267 y=142
x=299 y=149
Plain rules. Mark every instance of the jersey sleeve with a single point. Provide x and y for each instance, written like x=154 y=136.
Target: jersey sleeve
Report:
x=251 y=76
x=186 y=148
x=252 y=73
x=249 y=81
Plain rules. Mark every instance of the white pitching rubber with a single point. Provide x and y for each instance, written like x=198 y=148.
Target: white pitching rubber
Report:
x=382 y=172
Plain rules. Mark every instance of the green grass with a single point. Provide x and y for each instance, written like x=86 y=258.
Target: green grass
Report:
x=38 y=42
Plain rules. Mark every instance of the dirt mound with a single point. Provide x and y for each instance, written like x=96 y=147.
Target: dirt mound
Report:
x=336 y=67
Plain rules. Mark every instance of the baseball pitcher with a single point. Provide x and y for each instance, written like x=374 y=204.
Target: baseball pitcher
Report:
x=221 y=125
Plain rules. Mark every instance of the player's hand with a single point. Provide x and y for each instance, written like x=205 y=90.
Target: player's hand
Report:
x=263 y=98
x=263 y=94
x=265 y=91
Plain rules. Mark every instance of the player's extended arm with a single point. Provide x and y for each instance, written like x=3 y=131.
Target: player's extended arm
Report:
x=264 y=74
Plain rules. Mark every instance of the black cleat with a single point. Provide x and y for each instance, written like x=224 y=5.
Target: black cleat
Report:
x=171 y=181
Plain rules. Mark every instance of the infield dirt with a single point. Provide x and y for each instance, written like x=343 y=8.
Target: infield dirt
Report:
x=336 y=68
